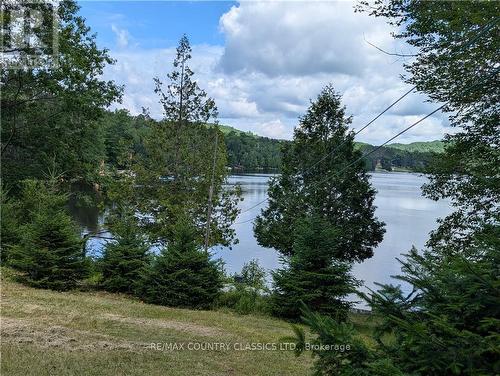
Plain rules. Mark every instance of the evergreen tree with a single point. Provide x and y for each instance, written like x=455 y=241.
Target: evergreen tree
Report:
x=174 y=178
x=183 y=275
x=450 y=324
x=339 y=350
x=50 y=253
x=124 y=260
x=313 y=276
x=9 y=225
x=336 y=188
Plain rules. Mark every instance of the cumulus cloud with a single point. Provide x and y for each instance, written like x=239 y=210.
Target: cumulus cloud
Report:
x=276 y=58
x=299 y=38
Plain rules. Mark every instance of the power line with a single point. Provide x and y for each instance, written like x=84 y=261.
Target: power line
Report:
x=378 y=147
x=342 y=143
x=484 y=29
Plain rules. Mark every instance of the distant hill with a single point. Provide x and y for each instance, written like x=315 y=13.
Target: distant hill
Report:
x=247 y=151
x=228 y=129
x=421 y=147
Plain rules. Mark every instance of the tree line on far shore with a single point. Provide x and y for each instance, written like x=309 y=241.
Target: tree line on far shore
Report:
x=123 y=134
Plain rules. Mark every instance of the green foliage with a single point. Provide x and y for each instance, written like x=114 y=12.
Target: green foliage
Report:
x=253 y=275
x=338 y=351
x=9 y=225
x=173 y=177
x=247 y=292
x=344 y=200
x=314 y=275
x=450 y=325
x=50 y=252
x=247 y=152
x=124 y=137
x=50 y=110
x=420 y=147
x=182 y=275
x=124 y=259
x=456 y=62
x=244 y=300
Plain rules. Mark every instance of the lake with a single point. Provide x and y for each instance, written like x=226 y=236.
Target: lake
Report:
x=409 y=218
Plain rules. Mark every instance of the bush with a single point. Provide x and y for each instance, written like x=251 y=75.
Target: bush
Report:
x=183 y=275
x=313 y=276
x=244 y=300
x=247 y=291
x=50 y=253
x=125 y=259
x=338 y=350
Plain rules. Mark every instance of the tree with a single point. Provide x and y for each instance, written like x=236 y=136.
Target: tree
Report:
x=183 y=275
x=450 y=323
x=183 y=163
x=335 y=188
x=50 y=253
x=338 y=349
x=313 y=276
x=124 y=259
x=455 y=62
x=49 y=110
x=253 y=275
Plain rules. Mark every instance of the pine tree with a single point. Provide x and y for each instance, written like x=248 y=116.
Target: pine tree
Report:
x=335 y=187
x=313 y=277
x=449 y=325
x=183 y=275
x=50 y=253
x=125 y=259
x=175 y=177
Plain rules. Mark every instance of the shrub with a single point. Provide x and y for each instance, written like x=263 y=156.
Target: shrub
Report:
x=50 y=253
x=183 y=275
x=124 y=259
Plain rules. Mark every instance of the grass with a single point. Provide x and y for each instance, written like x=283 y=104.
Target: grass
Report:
x=96 y=333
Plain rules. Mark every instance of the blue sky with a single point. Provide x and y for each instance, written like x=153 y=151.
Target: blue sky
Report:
x=263 y=61
x=156 y=24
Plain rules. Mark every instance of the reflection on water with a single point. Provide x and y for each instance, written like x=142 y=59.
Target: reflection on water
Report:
x=409 y=218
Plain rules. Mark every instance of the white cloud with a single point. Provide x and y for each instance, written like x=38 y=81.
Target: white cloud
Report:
x=274 y=129
x=277 y=56
x=122 y=36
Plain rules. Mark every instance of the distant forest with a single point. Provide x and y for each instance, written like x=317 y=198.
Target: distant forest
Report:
x=250 y=152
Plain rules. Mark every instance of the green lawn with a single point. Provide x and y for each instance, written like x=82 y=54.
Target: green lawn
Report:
x=94 y=333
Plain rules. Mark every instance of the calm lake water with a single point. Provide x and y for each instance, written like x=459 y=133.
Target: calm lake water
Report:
x=409 y=218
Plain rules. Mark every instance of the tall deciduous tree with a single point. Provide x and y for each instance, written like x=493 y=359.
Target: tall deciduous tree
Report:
x=335 y=188
x=49 y=109
x=456 y=62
